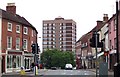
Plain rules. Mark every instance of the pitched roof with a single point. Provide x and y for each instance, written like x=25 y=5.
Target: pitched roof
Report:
x=16 y=18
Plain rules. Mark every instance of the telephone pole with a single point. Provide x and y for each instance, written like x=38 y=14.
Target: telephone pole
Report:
x=117 y=64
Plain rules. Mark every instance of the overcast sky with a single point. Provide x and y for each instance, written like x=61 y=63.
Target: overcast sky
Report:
x=84 y=12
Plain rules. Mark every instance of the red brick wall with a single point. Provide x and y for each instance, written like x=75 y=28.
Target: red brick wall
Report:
x=13 y=34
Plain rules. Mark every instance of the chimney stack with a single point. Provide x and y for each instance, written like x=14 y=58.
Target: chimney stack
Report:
x=11 y=8
x=99 y=23
x=105 y=17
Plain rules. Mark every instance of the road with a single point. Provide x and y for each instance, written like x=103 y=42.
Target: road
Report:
x=69 y=72
x=56 y=73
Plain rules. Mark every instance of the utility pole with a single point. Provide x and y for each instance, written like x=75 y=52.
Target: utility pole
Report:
x=117 y=64
x=117 y=42
x=35 y=57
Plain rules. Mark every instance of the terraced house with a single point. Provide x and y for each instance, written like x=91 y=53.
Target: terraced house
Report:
x=16 y=37
x=88 y=53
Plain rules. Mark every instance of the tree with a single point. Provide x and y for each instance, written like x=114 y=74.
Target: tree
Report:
x=57 y=58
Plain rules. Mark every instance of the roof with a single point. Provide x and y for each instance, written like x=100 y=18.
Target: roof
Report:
x=16 y=18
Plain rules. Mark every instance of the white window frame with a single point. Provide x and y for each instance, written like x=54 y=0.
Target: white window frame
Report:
x=25 y=30
x=18 y=30
x=9 y=42
x=25 y=42
x=9 y=26
x=17 y=43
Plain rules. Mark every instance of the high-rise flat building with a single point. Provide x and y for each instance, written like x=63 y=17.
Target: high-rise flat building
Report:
x=59 y=34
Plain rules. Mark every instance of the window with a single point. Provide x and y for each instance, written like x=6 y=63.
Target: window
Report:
x=60 y=31
x=31 y=42
x=53 y=24
x=25 y=30
x=9 y=61
x=114 y=24
x=110 y=45
x=60 y=38
x=32 y=33
x=53 y=28
x=45 y=35
x=53 y=31
x=18 y=61
x=17 y=43
x=25 y=44
x=9 y=26
x=18 y=28
x=9 y=42
x=45 y=24
x=109 y=27
x=49 y=24
x=13 y=61
x=44 y=28
x=44 y=42
x=45 y=31
x=50 y=32
x=115 y=43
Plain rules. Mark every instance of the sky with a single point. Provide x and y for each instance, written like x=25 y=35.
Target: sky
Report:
x=84 y=12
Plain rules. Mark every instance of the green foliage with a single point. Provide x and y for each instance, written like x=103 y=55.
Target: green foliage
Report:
x=57 y=58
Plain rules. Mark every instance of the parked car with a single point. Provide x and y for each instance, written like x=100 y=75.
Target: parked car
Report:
x=68 y=67
x=54 y=68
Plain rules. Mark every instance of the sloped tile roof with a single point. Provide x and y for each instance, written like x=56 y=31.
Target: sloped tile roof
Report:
x=16 y=18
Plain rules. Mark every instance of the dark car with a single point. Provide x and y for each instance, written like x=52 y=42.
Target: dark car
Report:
x=54 y=68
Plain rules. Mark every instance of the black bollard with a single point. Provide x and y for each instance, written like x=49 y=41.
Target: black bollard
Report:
x=117 y=70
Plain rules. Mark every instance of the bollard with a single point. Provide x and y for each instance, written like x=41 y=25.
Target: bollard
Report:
x=35 y=70
x=117 y=70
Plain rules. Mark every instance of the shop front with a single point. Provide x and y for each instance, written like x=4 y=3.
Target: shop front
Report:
x=28 y=59
x=13 y=61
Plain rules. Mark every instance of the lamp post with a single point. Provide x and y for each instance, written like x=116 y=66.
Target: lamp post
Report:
x=96 y=52
x=117 y=65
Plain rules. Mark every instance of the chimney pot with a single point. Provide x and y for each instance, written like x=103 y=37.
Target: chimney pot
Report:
x=105 y=17
x=10 y=4
x=11 y=8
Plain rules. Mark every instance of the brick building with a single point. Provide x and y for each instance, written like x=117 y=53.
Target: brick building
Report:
x=59 y=33
x=88 y=54
x=16 y=37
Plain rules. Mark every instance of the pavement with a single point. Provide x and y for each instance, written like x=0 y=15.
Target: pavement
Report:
x=110 y=72
x=30 y=73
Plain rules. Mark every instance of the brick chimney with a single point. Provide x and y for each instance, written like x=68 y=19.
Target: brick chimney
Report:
x=105 y=17
x=99 y=23
x=11 y=8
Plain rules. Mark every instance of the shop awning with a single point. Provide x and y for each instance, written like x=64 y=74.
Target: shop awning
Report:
x=98 y=55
